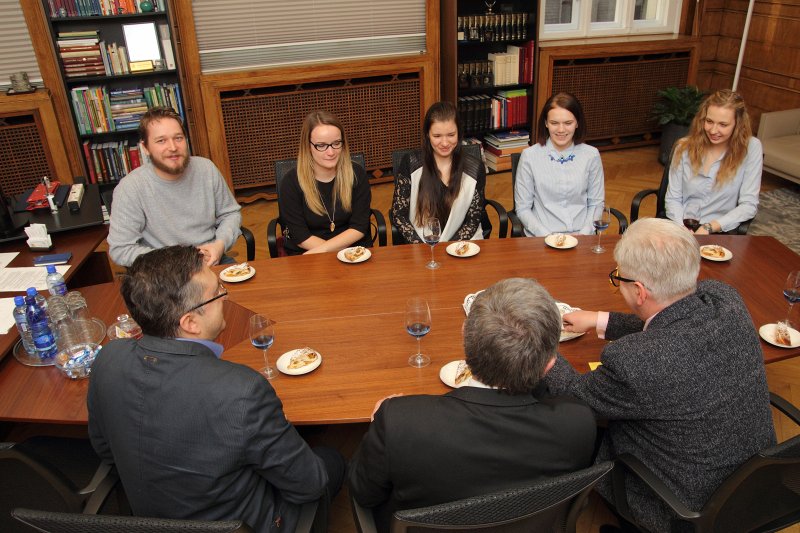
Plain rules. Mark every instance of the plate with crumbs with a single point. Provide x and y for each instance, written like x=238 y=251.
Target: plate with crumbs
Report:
x=355 y=254
x=463 y=249
x=768 y=333
x=715 y=252
x=456 y=374
x=299 y=361
x=237 y=273
x=561 y=241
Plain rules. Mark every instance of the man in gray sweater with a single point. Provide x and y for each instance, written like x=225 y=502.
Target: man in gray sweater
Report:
x=683 y=384
x=173 y=199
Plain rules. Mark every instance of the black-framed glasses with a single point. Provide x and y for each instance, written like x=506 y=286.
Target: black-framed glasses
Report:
x=614 y=278
x=222 y=292
x=321 y=147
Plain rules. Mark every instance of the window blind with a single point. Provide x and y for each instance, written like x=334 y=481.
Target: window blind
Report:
x=16 y=50
x=241 y=34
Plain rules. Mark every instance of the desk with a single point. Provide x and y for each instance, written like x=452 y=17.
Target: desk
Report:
x=353 y=315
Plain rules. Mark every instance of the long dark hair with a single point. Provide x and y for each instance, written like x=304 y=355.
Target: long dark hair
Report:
x=564 y=101
x=431 y=199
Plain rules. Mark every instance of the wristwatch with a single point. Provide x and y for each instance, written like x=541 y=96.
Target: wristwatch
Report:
x=708 y=228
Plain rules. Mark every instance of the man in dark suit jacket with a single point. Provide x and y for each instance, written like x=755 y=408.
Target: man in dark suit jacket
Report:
x=683 y=384
x=489 y=435
x=194 y=436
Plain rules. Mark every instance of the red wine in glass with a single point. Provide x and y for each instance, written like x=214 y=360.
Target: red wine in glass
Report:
x=691 y=223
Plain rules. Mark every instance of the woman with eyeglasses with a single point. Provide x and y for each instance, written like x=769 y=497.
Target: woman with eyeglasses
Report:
x=325 y=202
x=559 y=184
x=715 y=175
x=439 y=181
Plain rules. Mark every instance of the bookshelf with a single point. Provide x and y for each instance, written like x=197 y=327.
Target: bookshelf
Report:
x=108 y=84
x=488 y=68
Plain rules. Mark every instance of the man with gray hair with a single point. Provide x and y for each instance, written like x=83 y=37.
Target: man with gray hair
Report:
x=683 y=384
x=488 y=435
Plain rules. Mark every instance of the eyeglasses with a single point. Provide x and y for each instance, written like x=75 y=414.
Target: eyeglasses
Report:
x=321 y=147
x=614 y=278
x=222 y=292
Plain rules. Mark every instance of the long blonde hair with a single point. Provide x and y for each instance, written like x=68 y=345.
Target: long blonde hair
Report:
x=696 y=143
x=345 y=177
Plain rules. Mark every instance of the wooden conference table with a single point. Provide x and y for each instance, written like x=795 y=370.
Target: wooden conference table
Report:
x=353 y=315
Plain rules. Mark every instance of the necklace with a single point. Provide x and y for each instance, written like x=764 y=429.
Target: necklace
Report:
x=330 y=217
x=561 y=159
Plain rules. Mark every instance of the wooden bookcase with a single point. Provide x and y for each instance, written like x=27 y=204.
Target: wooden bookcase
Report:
x=105 y=146
x=474 y=47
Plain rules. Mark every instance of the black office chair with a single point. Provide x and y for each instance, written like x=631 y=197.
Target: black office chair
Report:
x=661 y=208
x=552 y=504
x=275 y=227
x=517 y=230
x=107 y=196
x=763 y=494
x=46 y=473
x=51 y=522
x=474 y=151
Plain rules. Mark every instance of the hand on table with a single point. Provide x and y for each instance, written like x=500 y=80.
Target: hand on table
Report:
x=580 y=321
x=380 y=402
x=212 y=251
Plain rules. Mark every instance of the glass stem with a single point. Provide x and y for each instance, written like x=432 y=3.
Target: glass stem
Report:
x=266 y=361
x=599 y=233
x=789 y=313
x=419 y=343
x=432 y=261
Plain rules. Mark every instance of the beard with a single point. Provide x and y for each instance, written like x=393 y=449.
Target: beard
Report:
x=175 y=171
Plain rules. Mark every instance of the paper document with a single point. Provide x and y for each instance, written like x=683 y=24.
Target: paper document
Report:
x=6 y=314
x=19 y=279
x=6 y=258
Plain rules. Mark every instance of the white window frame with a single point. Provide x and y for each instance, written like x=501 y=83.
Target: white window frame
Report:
x=667 y=21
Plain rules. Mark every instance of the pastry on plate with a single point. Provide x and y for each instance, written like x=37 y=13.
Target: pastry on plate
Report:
x=713 y=250
x=559 y=239
x=353 y=254
x=782 y=334
x=305 y=357
x=235 y=271
x=463 y=373
x=462 y=248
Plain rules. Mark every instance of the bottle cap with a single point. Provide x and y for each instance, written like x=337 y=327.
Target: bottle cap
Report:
x=19 y=300
x=32 y=291
x=51 y=269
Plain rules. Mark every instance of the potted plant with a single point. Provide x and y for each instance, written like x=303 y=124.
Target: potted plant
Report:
x=674 y=113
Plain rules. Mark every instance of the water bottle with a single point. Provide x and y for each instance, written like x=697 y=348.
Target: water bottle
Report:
x=43 y=340
x=22 y=325
x=55 y=282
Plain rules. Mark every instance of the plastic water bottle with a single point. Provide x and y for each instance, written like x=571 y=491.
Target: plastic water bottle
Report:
x=55 y=282
x=43 y=340
x=22 y=325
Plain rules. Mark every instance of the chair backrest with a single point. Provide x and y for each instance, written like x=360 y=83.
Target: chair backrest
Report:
x=282 y=166
x=661 y=207
x=51 y=522
x=552 y=504
x=764 y=490
x=514 y=165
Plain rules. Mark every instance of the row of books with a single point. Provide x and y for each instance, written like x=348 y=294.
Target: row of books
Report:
x=111 y=161
x=88 y=8
x=499 y=146
x=482 y=112
x=514 y=66
x=98 y=111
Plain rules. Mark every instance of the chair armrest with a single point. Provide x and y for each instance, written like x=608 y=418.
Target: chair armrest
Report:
x=272 y=238
x=516 y=225
x=621 y=220
x=365 y=521
x=501 y=214
x=779 y=124
x=785 y=407
x=743 y=227
x=380 y=223
x=250 y=242
x=106 y=483
x=628 y=463
x=305 y=522
x=397 y=237
x=637 y=200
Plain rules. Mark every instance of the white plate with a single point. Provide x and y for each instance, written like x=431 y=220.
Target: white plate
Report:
x=727 y=257
x=340 y=256
x=283 y=363
x=468 y=301
x=569 y=242
x=448 y=375
x=473 y=249
x=568 y=335
x=235 y=279
x=767 y=332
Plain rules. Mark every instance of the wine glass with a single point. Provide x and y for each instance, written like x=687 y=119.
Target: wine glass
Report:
x=262 y=335
x=418 y=324
x=600 y=225
x=489 y=5
x=791 y=291
x=691 y=216
x=431 y=232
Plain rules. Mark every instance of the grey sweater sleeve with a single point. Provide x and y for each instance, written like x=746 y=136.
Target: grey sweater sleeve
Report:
x=229 y=212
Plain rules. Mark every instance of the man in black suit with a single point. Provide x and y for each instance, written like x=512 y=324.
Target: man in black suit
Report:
x=489 y=435
x=683 y=384
x=194 y=436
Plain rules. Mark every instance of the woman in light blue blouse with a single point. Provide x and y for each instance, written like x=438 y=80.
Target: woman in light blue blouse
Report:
x=716 y=170
x=559 y=183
